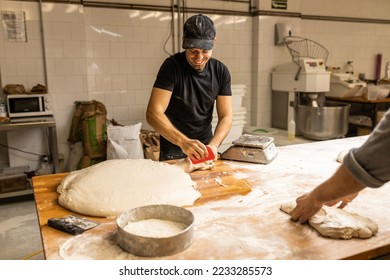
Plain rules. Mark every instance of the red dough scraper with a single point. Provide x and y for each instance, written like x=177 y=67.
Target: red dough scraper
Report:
x=211 y=156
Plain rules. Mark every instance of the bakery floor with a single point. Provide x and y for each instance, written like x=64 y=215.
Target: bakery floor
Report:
x=20 y=237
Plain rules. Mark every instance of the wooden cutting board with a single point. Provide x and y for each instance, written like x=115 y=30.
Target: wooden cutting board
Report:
x=220 y=182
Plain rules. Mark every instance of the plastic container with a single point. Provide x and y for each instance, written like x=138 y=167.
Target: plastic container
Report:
x=349 y=67
x=237 y=100
x=238 y=92
x=239 y=121
x=372 y=92
x=291 y=130
x=3 y=111
x=45 y=167
x=387 y=72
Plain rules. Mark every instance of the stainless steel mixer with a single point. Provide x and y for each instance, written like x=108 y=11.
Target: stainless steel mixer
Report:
x=306 y=80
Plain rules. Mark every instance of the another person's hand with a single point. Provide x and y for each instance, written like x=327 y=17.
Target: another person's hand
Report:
x=307 y=206
x=343 y=201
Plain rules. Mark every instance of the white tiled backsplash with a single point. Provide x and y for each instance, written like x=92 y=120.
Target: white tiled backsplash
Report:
x=113 y=55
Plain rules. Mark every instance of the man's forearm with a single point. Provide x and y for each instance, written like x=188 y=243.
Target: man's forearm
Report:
x=164 y=127
x=221 y=131
x=339 y=185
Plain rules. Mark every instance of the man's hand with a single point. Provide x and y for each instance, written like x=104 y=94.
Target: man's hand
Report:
x=343 y=201
x=307 y=206
x=215 y=151
x=194 y=149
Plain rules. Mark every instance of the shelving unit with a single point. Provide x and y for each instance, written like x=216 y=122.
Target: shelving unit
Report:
x=367 y=108
x=24 y=123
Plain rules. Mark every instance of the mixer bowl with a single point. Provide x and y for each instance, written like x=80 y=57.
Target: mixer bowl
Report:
x=325 y=122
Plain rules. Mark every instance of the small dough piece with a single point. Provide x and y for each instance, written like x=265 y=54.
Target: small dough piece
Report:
x=337 y=223
x=188 y=166
x=341 y=155
x=115 y=186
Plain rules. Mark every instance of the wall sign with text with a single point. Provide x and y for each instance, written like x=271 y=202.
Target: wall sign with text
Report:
x=14 y=24
x=279 y=4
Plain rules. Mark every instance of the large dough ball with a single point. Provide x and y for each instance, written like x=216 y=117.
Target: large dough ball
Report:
x=115 y=186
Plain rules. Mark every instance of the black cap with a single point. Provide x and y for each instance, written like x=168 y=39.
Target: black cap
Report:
x=199 y=33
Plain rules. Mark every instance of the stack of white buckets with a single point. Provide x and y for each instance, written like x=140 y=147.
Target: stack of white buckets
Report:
x=239 y=117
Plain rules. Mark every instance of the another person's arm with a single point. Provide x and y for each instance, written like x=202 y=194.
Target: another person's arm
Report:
x=366 y=166
x=341 y=187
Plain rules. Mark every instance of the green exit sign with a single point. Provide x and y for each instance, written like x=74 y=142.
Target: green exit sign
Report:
x=279 y=4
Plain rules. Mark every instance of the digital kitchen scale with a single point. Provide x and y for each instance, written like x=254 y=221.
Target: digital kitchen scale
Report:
x=252 y=148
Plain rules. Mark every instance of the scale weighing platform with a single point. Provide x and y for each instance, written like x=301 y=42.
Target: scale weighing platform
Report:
x=252 y=148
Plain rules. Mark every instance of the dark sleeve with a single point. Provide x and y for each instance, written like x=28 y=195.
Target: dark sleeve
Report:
x=226 y=84
x=166 y=75
x=370 y=163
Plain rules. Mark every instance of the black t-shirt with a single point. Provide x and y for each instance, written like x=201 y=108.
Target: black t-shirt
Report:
x=194 y=93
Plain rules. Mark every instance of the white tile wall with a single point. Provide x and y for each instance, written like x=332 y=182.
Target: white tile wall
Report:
x=113 y=55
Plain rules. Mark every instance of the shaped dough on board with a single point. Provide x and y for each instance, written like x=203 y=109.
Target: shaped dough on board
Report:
x=112 y=187
x=337 y=223
x=189 y=167
x=341 y=155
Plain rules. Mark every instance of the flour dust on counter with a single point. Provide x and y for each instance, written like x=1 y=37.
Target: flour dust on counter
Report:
x=337 y=223
x=114 y=186
x=92 y=247
x=157 y=228
x=212 y=230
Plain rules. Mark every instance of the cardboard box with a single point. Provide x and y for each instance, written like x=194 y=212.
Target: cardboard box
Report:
x=13 y=183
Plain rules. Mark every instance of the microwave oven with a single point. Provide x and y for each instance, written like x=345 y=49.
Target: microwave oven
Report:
x=29 y=105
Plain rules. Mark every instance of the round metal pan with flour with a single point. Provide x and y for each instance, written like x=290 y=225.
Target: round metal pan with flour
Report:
x=155 y=230
x=112 y=187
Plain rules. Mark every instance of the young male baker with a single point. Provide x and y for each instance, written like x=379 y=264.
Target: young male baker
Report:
x=188 y=86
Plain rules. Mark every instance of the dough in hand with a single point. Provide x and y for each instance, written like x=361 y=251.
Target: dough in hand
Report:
x=112 y=187
x=188 y=166
x=337 y=223
x=341 y=155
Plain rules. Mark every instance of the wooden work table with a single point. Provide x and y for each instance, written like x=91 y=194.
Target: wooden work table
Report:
x=238 y=216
